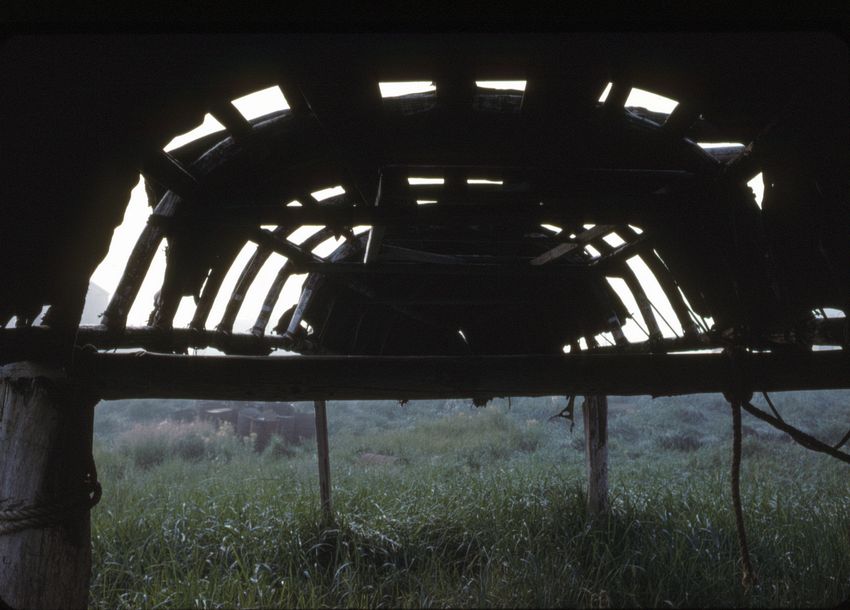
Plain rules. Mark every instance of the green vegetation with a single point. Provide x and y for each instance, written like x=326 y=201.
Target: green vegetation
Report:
x=484 y=507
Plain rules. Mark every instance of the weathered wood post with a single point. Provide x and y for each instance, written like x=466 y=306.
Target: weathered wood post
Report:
x=595 y=415
x=47 y=487
x=324 y=459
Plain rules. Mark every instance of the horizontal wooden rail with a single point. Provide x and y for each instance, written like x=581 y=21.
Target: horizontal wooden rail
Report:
x=145 y=375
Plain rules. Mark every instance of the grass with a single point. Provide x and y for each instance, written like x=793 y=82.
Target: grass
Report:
x=484 y=508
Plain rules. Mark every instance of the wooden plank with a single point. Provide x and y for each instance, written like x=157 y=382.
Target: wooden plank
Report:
x=324 y=460
x=146 y=375
x=501 y=210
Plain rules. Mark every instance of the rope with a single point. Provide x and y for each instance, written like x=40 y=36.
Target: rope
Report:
x=806 y=440
x=49 y=514
x=748 y=579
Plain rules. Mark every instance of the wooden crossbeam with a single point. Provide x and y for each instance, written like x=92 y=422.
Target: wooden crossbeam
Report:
x=145 y=375
x=581 y=239
x=237 y=125
x=613 y=209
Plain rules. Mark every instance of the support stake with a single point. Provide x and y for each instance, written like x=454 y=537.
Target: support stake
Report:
x=324 y=460
x=595 y=413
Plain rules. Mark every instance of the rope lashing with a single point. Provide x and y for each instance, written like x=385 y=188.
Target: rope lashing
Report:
x=56 y=512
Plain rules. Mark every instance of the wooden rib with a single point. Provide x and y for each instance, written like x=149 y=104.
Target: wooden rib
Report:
x=668 y=286
x=236 y=124
x=635 y=287
x=246 y=278
x=183 y=187
x=168 y=299
x=131 y=280
x=168 y=172
x=581 y=239
x=212 y=286
x=680 y=120
x=274 y=292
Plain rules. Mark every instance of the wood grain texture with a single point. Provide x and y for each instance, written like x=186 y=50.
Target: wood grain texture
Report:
x=46 y=440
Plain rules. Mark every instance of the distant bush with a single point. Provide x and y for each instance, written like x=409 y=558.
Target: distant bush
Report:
x=149 y=445
x=278 y=448
x=683 y=441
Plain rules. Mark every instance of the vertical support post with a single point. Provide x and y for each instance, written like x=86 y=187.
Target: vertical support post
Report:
x=595 y=415
x=47 y=488
x=324 y=459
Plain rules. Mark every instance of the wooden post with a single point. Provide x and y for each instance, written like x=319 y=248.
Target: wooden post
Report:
x=595 y=413
x=324 y=460
x=46 y=488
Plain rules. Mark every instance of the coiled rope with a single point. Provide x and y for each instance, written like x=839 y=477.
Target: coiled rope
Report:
x=55 y=512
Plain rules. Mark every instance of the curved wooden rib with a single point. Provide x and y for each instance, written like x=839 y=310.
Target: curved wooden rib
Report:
x=283 y=274
x=246 y=279
x=669 y=287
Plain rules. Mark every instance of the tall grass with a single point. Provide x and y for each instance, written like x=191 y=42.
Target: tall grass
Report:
x=485 y=508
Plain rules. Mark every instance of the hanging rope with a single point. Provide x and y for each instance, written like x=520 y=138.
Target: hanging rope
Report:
x=748 y=578
x=56 y=512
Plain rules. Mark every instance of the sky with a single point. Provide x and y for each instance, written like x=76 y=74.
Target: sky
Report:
x=270 y=100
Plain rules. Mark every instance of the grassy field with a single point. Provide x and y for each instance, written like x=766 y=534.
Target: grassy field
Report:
x=484 y=507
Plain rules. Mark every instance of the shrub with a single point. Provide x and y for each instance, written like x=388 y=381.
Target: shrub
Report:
x=683 y=441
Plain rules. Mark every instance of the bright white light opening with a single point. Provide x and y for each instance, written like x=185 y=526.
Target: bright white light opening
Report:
x=631 y=329
x=413 y=181
x=707 y=145
x=605 y=338
x=833 y=313
x=637 y=230
x=229 y=283
x=462 y=336
x=592 y=251
x=425 y=201
x=757 y=184
x=656 y=296
x=302 y=233
x=588 y=227
x=514 y=85
x=552 y=228
x=294 y=204
x=261 y=103
x=361 y=229
x=582 y=344
x=651 y=101
x=268 y=227
x=257 y=291
x=567 y=349
x=333 y=191
x=396 y=89
x=605 y=93
x=483 y=181
x=614 y=240
x=124 y=237
x=288 y=296
x=210 y=125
